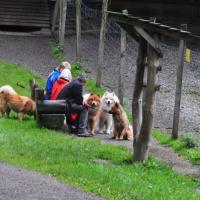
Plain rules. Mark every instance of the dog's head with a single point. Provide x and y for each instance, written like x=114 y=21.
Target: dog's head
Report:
x=108 y=100
x=94 y=100
x=116 y=109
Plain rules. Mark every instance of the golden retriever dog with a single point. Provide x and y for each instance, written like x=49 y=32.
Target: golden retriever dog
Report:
x=94 y=101
x=121 y=130
x=10 y=100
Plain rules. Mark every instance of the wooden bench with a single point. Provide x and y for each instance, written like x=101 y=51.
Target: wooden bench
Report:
x=49 y=113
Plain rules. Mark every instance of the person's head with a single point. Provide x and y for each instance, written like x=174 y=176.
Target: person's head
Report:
x=82 y=79
x=66 y=74
x=64 y=65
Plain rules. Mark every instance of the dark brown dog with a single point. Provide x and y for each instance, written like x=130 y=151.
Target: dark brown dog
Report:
x=122 y=130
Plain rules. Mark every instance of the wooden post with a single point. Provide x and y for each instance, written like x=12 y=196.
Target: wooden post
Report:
x=141 y=146
x=138 y=88
x=101 y=42
x=177 y=104
x=62 y=20
x=122 y=62
x=39 y=96
x=55 y=17
x=78 y=29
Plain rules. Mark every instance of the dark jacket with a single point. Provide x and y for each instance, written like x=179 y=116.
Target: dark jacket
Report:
x=72 y=92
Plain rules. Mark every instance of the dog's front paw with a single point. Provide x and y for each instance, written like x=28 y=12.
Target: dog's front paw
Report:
x=100 y=131
x=108 y=132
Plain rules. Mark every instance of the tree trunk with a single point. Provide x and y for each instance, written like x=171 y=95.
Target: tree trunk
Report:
x=63 y=11
x=78 y=29
x=138 y=87
x=141 y=146
x=101 y=42
x=122 y=63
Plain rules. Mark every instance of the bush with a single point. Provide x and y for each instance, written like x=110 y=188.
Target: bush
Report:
x=189 y=140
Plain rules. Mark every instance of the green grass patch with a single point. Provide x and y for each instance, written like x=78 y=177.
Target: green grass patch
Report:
x=72 y=160
x=13 y=74
x=183 y=146
x=91 y=86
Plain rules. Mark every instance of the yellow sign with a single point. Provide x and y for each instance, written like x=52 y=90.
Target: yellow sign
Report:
x=188 y=55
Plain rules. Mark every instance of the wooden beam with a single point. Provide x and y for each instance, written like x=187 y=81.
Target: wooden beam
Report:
x=78 y=30
x=154 y=27
x=101 y=42
x=182 y=45
x=131 y=31
x=52 y=107
x=149 y=39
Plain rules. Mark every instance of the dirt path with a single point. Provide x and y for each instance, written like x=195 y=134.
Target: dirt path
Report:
x=163 y=153
x=21 y=184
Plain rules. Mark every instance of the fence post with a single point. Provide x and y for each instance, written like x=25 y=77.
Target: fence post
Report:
x=101 y=42
x=78 y=29
x=62 y=20
x=122 y=62
x=55 y=16
x=177 y=104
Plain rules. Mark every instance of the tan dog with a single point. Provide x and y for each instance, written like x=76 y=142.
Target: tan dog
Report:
x=10 y=100
x=94 y=101
x=121 y=130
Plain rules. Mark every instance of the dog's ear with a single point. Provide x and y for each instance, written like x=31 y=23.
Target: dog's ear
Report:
x=106 y=93
x=99 y=95
x=116 y=105
x=113 y=93
x=91 y=94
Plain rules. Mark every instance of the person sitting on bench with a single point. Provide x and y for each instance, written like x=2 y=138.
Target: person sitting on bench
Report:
x=73 y=93
x=64 y=78
x=53 y=77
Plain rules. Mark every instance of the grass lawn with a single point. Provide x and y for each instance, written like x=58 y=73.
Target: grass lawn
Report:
x=78 y=161
x=186 y=146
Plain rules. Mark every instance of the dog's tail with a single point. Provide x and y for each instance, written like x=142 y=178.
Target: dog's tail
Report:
x=7 y=89
x=29 y=107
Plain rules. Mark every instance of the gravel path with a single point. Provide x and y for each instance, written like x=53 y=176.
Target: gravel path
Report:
x=21 y=184
x=32 y=52
x=178 y=163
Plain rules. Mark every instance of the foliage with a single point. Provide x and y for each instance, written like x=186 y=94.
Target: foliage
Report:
x=56 y=51
x=180 y=146
x=91 y=86
x=190 y=140
x=77 y=69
